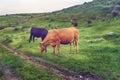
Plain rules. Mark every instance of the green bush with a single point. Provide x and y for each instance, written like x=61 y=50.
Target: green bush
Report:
x=16 y=29
x=7 y=40
x=24 y=27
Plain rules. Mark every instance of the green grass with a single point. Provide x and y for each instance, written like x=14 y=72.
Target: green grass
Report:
x=99 y=57
x=25 y=70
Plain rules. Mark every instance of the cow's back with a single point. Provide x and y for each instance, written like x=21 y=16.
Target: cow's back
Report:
x=51 y=36
x=75 y=31
x=39 y=32
x=66 y=35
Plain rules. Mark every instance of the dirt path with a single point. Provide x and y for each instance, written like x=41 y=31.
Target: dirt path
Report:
x=62 y=72
x=8 y=74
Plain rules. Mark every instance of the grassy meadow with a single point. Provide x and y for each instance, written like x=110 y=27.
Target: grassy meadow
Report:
x=99 y=41
x=100 y=57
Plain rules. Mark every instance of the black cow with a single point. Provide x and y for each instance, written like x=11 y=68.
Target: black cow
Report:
x=37 y=32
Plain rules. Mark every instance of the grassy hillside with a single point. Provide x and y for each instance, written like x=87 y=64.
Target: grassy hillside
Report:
x=99 y=42
x=100 y=57
x=95 y=8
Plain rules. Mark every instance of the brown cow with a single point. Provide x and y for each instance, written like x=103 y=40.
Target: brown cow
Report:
x=56 y=37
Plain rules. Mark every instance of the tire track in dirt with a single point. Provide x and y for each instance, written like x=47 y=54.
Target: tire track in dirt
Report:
x=63 y=73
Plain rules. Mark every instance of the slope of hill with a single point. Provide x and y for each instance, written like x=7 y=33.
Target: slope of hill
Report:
x=95 y=10
x=96 y=7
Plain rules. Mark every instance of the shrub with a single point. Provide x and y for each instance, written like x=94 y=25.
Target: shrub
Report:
x=1 y=27
x=16 y=29
x=7 y=40
x=13 y=25
x=24 y=27
x=110 y=36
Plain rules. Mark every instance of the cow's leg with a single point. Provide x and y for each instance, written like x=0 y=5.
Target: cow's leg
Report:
x=58 y=47
x=54 y=49
x=76 y=43
x=46 y=49
x=30 y=39
x=70 y=47
x=33 y=38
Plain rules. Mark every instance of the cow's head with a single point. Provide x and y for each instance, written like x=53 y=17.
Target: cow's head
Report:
x=42 y=46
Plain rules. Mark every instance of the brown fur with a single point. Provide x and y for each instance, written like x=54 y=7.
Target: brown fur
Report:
x=56 y=37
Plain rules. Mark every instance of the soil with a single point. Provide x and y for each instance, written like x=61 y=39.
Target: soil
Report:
x=8 y=73
x=62 y=72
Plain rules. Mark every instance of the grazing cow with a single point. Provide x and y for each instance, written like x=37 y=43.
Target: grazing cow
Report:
x=37 y=32
x=56 y=37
